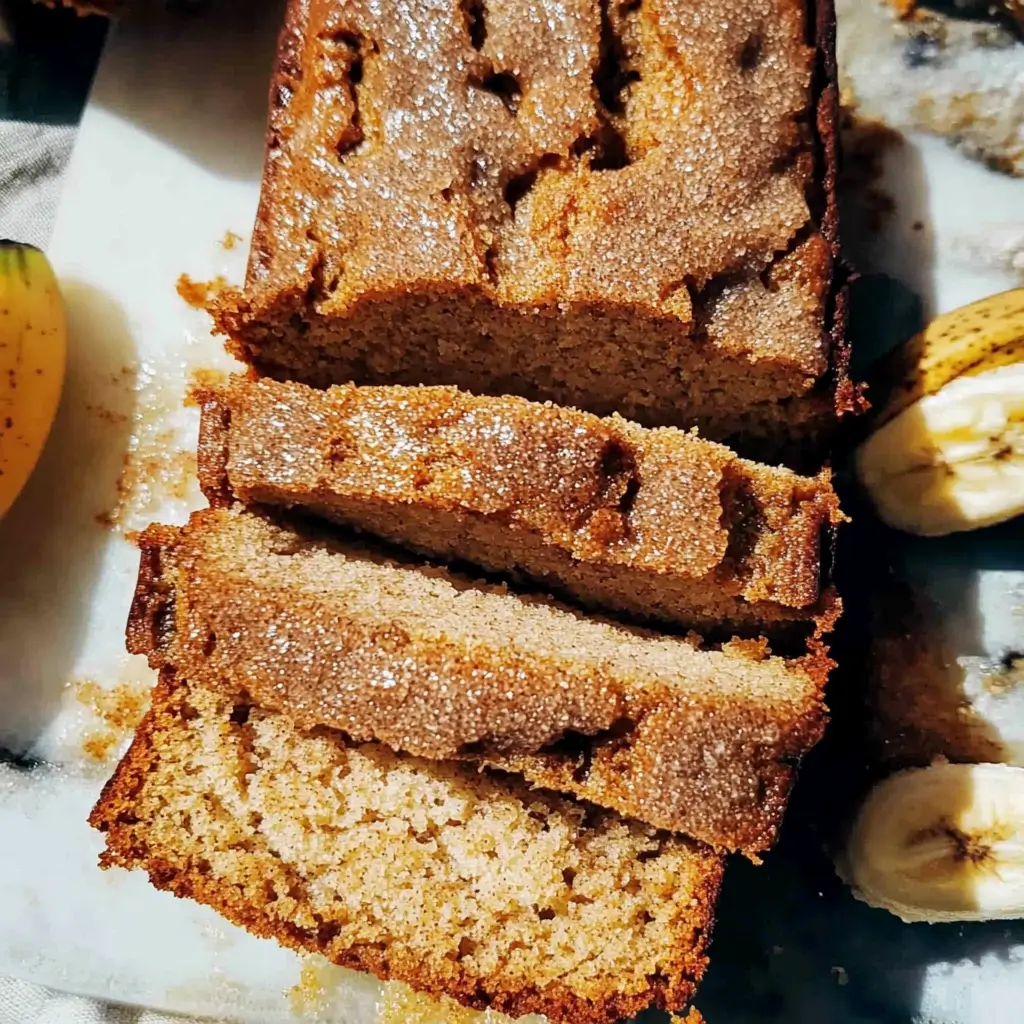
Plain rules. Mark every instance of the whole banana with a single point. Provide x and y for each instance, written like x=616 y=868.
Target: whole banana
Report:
x=947 y=449
x=943 y=843
x=33 y=354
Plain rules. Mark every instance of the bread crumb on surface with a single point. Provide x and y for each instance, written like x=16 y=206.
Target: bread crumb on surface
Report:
x=230 y=240
x=199 y=294
x=151 y=473
x=201 y=379
x=99 y=744
x=120 y=708
x=400 y=1004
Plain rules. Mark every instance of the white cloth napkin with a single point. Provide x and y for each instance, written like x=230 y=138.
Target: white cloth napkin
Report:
x=32 y=161
x=23 y=1003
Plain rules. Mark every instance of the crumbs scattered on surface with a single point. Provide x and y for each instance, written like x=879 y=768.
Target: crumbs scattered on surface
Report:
x=201 y=294
x=839 y=973
x=230 y=240
x=159 y=465
x=308 y=997
x=152 y=473
x=99 y=745
x=1005 y=679
x=119 y=707
x=693 y=1016
x=402 y=1005
x=109 y=416
x=324 y=991
x=201 y=380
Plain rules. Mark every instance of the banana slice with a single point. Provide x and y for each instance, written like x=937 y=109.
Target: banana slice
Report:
x=943 y=843
x=954 y=459
x=947 y=452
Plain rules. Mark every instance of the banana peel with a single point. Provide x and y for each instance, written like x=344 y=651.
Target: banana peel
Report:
x=33 y=359
x=946 y=451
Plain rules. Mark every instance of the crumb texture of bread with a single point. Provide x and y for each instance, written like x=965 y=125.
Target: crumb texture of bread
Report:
x=654 y=524
x=439 y=665
x=618 y=207
x=431 y=873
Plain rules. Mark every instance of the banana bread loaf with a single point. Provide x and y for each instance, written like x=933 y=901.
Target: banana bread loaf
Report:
x=453 y=880
x=656 y=524
x=435 y=664
x=621 y=207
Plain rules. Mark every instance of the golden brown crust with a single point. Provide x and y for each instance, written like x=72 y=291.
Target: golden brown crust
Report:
x=120 y=814
x=657 y=524
x=438 y=666
x=559 y=279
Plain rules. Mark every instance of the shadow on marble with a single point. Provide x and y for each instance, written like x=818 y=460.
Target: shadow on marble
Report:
x=53 y=538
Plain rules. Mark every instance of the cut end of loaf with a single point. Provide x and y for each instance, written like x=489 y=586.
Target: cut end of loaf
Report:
x=438 y=875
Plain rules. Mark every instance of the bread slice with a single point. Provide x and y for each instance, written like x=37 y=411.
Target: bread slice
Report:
x=335 y=634
x=453 y=880
x=542 y=199
x=654 y=524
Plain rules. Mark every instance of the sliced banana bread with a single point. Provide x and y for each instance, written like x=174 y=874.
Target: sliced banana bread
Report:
x=450 y=879
x=438 y=665
x=657 y=524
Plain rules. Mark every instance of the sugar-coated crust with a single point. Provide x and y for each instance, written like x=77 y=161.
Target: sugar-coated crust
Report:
x=576 y=488
x=115 y=814
x=295 y=645
x=797 y=422
x=635 y=780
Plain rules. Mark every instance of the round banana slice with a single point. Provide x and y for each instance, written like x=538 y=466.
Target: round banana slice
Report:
x=943 y=843
x=953 y=460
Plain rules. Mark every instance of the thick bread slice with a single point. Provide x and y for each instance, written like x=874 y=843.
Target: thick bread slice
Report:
x=699 y=741
x=433 y=873
x=657 y=524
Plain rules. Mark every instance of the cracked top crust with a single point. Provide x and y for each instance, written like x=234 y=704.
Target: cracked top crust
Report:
x=545 y=152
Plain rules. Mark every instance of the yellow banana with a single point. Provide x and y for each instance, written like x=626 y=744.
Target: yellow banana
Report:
x=947 y=449
x=33 y=355
x=967 y=341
